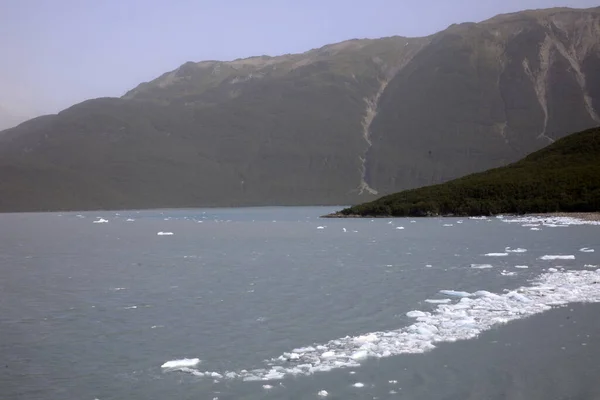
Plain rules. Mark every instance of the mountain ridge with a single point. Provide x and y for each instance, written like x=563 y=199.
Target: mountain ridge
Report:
x=340 y=124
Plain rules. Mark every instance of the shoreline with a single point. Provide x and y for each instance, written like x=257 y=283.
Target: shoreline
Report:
x=583 y=216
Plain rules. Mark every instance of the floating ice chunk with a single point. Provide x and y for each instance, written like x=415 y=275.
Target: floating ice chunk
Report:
x=535 y=229
x=448 y=225
x=344 y=229
x=455 y=293
x=322 y=393
x=267 y=387
x=529 y=225
x=400 y=228
x=590 y=266
x=586 y=250
x=507 y=273
x=393 y=382
x=521 y=266
x=481 y=266
x=557 y=257
x=389 y=222
x=80 y=216
x=459 y=222
x=359 y=385
x=370 y=338
x=416 y=314
x=496 y=254
x=428 y=266
x=131 y=307
x=438 y=301
x=517 y=250
x=552 y=270
x=100 y=221
x=360 y=355
x=320 y=227
x=129 y=220
x=481 y=217
x=413 y=221
x=184 y=362
x=165 y=233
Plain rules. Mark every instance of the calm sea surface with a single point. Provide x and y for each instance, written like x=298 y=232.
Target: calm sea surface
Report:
x=93 y=310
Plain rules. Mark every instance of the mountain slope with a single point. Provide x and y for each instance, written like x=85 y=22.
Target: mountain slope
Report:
x=337 y=125
x=564 y=176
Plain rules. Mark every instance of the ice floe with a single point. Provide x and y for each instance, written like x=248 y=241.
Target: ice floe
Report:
x=165 y=233
x=557 y=257
x=517 y=250
x=496 y=254
x=481 y=266
x=184 y=362
x=322 y=393
x=535 y=229
x=467 y=318
x=438 y=301
x=448 y=225
x=521 y=266
x=400 y=228
x=359 y=385
x=267 y=387
x=129 y=220
x=590 y=266
x=320 y=227
x=455 y=293
x=100 y=221
x=428 y=266
x=586 y=250
x=507 y=273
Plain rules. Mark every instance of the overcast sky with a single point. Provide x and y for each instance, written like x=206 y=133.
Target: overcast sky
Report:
x=54 y=53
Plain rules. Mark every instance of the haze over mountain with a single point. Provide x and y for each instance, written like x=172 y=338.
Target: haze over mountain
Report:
x=336 y=125
x=9 y=119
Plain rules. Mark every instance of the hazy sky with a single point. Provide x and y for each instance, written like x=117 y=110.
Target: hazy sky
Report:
x=55 y=53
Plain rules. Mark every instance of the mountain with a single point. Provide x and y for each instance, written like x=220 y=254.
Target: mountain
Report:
x=341 y=124
x=562 y=177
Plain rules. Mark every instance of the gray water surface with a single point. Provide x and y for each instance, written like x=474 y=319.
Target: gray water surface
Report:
x=93 y=310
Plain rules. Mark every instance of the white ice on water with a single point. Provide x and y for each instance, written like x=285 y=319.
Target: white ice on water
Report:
x=359 y=385
x=320 y=227
x=507 y=273
x=400 y=228
x=521 y=266
x=517 y=250
x=586 y=250
x=550 y=221
x=496 y=254
x=557 y=257
x=438 y=301
x=455 y=293
x=322 y=393
x=165 y=233
x=481 y=266
x=473 y=314
x=129 y=220
x=100 y=221
x=184 y=362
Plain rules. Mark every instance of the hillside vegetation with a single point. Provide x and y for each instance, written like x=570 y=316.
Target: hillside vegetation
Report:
x=562 y=177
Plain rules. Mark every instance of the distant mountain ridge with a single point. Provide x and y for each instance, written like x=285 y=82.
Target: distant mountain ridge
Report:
x=341 y=124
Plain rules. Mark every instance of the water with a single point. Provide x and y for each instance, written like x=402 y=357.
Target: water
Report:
x=93 y=310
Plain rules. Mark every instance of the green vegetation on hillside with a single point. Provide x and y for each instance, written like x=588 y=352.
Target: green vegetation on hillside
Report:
x=562 y=177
